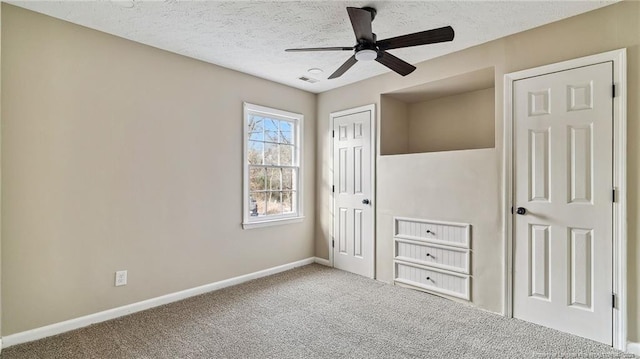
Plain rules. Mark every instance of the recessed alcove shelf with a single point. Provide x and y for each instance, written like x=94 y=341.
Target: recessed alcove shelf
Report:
x=455 y=113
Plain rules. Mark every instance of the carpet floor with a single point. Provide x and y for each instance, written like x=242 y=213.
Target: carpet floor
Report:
x=313 y=312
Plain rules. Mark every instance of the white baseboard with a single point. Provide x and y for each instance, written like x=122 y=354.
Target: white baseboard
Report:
x=633 y=348
x=72 y=324
x=324 y=262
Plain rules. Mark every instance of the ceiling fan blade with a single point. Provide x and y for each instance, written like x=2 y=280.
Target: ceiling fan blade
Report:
x=361 y=22
x=346 y=66
x=400 y=66
x=442 y=34
x=320 y=49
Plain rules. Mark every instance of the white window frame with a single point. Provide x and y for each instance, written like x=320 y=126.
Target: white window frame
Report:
x=248 y=221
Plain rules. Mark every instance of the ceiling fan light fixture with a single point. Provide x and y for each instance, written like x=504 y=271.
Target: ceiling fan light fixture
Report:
x=366 y=55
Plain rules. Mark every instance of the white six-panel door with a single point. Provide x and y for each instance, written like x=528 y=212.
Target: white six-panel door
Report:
x=563 y=186
x=353 y=213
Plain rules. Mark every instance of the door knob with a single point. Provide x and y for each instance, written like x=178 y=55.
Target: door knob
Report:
x=521 y=210
x=365 y=201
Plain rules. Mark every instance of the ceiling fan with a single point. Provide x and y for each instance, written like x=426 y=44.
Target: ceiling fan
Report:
x=368 y=48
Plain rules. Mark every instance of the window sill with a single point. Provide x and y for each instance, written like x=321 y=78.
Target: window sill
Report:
x=272 y=222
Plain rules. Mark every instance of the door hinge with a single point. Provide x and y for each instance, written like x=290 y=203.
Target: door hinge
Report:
x=511 y=210
x=333 y=243
x=613 y=300
x=333 y=133
x=333 y=189
x=613 y=195
x=613 y=90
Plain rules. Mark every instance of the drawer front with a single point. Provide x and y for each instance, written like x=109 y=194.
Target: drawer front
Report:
x=452 y=284
x=449 y=258
x=453 y=234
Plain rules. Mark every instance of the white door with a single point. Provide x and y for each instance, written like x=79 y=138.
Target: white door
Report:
x=353 y=210
x=563 y=201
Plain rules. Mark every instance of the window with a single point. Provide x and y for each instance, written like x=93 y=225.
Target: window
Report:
x=272 y=186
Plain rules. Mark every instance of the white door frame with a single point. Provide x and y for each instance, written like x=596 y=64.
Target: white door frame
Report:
x=618 y=57
x=372 y=109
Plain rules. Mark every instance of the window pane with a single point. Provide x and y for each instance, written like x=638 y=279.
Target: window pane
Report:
x=274 y=205
x=270 y=154
x=287 y=202
x=257 y=179
x=286 y=155
x=255 y=128
x=287 y=179
x=254 y=152
x=253 y=205
x=271 y=130
x=286 y=132
x=274 y=179
x=261 y=205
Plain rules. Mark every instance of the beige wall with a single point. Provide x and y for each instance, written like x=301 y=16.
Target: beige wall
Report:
x=458 y=122
x=609 y=28
x=455 y=122
x=117 y=155
x=394 y=132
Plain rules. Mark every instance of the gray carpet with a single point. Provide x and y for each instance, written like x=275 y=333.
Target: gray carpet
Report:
x=313 y=312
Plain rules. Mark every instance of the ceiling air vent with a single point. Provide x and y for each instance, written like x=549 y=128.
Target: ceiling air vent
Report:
x=308 y=79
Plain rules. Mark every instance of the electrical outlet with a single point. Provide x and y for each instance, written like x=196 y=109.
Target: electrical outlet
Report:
x=121 y=278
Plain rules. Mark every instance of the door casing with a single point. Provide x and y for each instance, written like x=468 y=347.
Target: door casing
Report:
x=372 y=110
x=618 y=57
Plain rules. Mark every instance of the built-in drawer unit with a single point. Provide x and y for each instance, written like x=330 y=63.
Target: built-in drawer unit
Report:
x=433 y=256
x=441 y=281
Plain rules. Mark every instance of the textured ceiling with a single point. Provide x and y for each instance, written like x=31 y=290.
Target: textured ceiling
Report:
x=251 y=36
